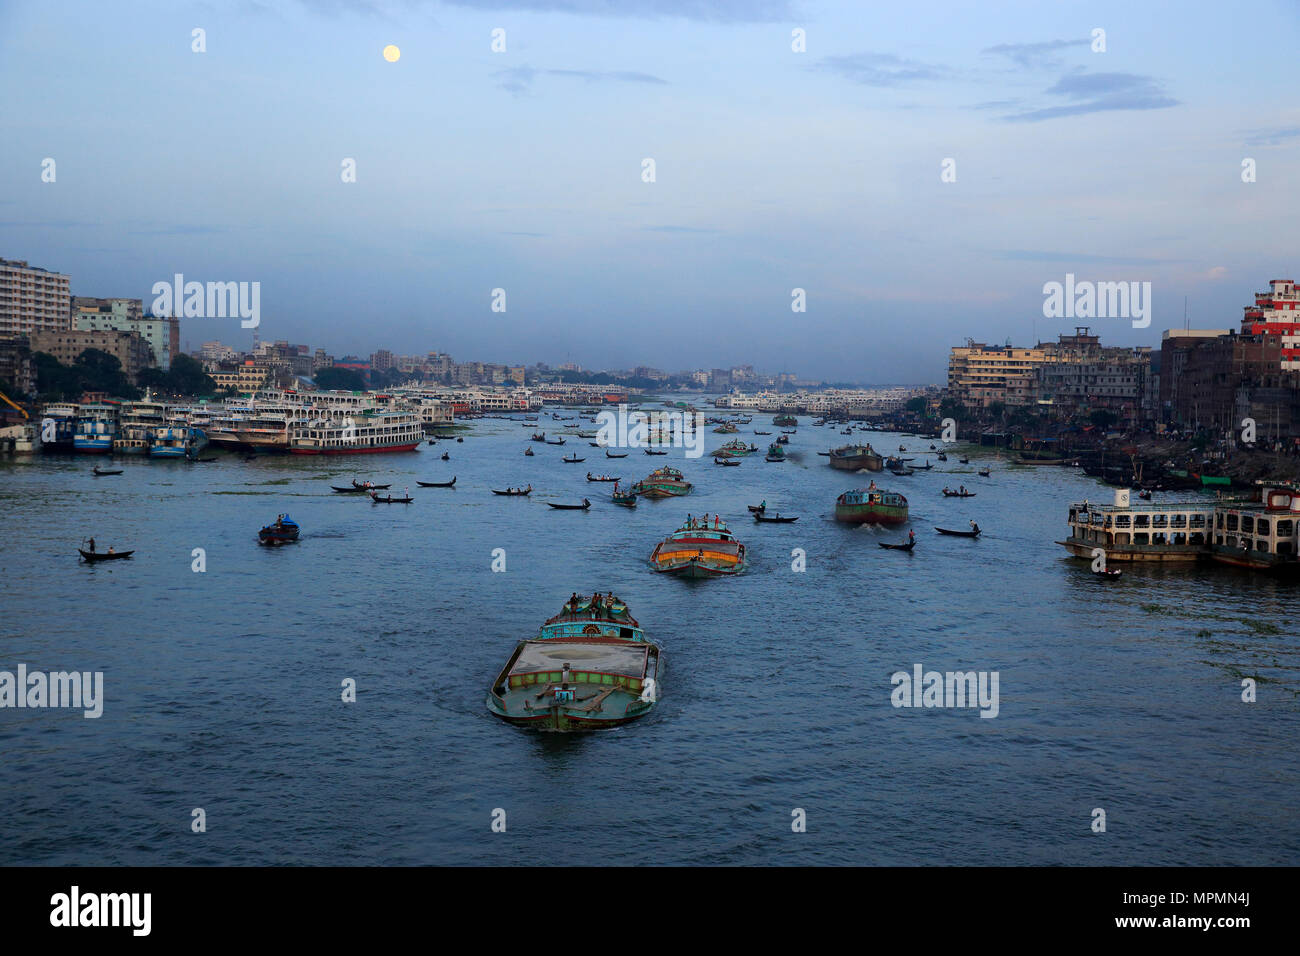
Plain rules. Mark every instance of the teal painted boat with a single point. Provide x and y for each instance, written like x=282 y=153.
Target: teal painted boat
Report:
x=589 y=668
x=871 y=505
x=735 y=449
x=775 y=452
x=665 y=482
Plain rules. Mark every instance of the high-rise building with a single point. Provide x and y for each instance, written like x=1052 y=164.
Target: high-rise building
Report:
x=163 y=333
x=33 y=300
x=1277 y=312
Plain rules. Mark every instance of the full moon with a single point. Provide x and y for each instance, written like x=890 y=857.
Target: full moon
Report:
x=392 y=53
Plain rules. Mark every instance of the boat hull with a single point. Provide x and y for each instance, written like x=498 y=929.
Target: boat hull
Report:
x=870 y=514
x=357 y=450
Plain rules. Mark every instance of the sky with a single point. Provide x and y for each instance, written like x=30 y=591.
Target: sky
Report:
x=774 y=170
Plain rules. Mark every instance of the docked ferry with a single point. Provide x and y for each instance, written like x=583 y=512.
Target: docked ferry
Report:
x=589 y=668
x=136 y=426
x=362 y=433
x=856 y=458
x=1259 y=536
x=95 y=430
x=59 y=426
x=665 y=482
x=700 y=549
x=871 y=505
x=177 y=439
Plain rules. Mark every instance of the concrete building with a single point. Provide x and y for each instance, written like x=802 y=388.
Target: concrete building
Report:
x=1277 y=313
x=17 y=369
x=129 y=348
x=126 y=315
x=243 y=378
x=33 y=300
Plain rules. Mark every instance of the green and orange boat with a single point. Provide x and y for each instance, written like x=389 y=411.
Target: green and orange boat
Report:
x=665 y=482
x=735 y=448
x=589 y=668
x=700 y=549
x=871 y=505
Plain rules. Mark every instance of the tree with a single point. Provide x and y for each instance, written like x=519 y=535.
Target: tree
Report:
x=917 y=405
x=1103 y=418
x=187 y=377
x=345 y=379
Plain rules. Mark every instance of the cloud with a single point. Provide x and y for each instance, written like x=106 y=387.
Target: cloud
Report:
x=186 y=230
x=519 y=79
x=723 y=11
x=1028 y=255
x=1218 y=272
x=1277 y=136
x=879 y=69
x=1100 y=92
x=1035 y=56
x=677 y=229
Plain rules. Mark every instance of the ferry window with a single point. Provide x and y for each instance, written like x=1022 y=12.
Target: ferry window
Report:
x=1285 y=529
x=1196 y=538
x=1261 y=546
x=1261 y=526
x=1232 y=522
x=1141 y=538
x=1247 y=523
x=1218 y=521
x=1141 y=521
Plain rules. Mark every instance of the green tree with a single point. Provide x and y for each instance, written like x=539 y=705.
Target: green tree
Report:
x=346 y=379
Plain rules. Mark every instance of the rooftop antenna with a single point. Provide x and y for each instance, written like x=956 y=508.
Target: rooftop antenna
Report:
x=1186 y=327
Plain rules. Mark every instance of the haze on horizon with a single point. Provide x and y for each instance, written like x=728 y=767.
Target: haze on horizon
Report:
x=775 y=170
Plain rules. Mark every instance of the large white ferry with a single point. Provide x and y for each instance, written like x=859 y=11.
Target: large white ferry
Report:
x=357 y=433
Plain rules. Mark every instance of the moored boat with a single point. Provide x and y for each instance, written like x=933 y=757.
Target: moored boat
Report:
x=589 y=668
x=699 y=549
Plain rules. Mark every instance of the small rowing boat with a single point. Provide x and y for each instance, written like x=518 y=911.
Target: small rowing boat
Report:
x=762 y=516
x=898 y=547
x=582 y=507
x=390 y=500
x=572 y=461
x=973 y=533
x=93 y=556
x=651 y=451
x=609 y=454
x=366 y=486
x=514 y=492
x=437 y=484
x=729 y=462
x=958 y=494
x=591 y=477
x=104 y=474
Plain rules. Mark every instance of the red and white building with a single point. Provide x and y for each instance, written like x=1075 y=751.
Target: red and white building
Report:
x=1277 y=312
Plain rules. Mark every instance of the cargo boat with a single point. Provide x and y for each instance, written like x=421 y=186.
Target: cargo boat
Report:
x=735 y=449
x=589 y=668
x=856 y=458
x=871 y=505
x=665 y=482
x=699 y=549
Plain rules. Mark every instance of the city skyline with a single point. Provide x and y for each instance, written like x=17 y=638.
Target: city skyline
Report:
x=775 y=170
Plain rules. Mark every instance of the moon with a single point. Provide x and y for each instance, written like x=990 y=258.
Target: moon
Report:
x=392 y=54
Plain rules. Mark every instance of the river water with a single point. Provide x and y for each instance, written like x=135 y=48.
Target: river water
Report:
x=223 y=687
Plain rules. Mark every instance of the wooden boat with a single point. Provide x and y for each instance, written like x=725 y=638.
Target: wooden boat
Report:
x=283 y=531
x=855 y=458
x=514 y=492
x=898 y=547
x=958 y=494
x=651 y=451
x=390 y=500
x=871 y=505
x=1107 y=572
x=558 y=441
x=363 y=487
x=105 y=473
x=735 y=448
x=445 y=456
x=572 y=461
x=591 y=477
x=437 y=484
x=348 y=491
x=665 y=482
x=942 y=457
x=729 y=462
x=757 y=432
x=964 y=461
x=589 y=668
x=783 y=440
x=763 y=516
x=699 y=549
x=774 y=453
x=984 y=472
x=784 y=421
x=609 y=454
x=902 y=472
x=626 y=499
x=93 y=556
x=926 y=467
x=975 y=533
x=582 y=507
x=538 y=436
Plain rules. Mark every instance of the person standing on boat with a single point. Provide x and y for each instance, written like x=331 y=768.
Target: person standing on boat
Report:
x=974 y=527
x=92 y=545
x=911 y=537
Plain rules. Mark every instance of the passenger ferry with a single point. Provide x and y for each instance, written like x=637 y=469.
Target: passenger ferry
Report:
x=362 y=433
x=589 y=668
x=137 y=423
x=177 y=439
x=59 y=426
x=1260 y=535
x=96 y=428
x=700 y=549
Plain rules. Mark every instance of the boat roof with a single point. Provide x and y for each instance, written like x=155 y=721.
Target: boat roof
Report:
x=582 y=611
x=607 y=657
